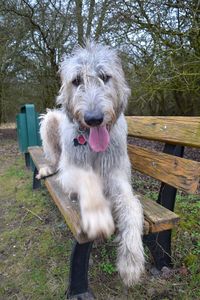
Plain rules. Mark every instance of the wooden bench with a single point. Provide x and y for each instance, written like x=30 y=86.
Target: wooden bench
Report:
x=169 y=167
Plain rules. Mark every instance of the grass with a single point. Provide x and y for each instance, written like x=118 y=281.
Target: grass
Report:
x=36 y=244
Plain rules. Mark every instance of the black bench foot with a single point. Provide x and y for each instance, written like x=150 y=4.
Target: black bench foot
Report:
x=84 y=296
x=78 y=280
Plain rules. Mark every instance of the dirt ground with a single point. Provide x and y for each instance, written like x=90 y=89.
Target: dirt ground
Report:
x=9 y=149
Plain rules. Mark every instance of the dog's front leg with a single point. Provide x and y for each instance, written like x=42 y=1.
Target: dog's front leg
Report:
x=128 y=216
x=96 y=213
x=97 y=220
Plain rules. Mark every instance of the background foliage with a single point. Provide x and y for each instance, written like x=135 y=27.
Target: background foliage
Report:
x=159 y=43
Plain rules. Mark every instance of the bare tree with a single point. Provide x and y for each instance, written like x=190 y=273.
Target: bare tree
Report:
x=158 y=42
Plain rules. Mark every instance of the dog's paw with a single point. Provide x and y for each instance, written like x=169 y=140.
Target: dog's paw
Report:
x=130 y=272
x=131 y=266
x=98 y=221
x=43 y=172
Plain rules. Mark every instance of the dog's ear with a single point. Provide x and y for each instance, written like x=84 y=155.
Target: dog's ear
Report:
x=122 y=86
x=63 y=68
x=65 y=76
x=124 y=94
x=60 y=97
x=64 y=96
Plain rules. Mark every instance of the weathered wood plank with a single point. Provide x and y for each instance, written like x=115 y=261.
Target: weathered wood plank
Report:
x=146 y=227
x=175 y=130
x=68 y=208
x=158 y=217
x=179 y=172
x=37 y=156
x=162 y=219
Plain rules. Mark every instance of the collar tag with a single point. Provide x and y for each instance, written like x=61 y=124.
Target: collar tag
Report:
x=80 y=140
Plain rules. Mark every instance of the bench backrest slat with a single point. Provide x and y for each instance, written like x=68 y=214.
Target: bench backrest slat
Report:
x=183 y=131
x=179 y=172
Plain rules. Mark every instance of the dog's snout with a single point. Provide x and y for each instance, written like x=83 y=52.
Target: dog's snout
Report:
x=93 y=118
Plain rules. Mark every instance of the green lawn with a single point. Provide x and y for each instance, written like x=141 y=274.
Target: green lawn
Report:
x=35 y=247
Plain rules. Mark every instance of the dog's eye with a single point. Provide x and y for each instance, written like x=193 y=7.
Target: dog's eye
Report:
x=104 y=77
x=77 y=81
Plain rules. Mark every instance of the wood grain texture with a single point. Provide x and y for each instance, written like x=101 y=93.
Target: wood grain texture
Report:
x=146 y=228
x=157 y=218
x=37 y=156
x=179 y=172
x=175 y=130
x=68 y=208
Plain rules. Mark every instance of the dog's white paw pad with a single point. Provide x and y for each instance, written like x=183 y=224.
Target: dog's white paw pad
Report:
x=43 y=172
x=98 y=222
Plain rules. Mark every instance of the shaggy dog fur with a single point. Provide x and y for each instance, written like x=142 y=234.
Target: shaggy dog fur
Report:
x=93 y=97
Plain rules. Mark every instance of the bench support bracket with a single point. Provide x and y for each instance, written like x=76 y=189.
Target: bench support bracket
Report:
x=78 y=278
x=160 y=243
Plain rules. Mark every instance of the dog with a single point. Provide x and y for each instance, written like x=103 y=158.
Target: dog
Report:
x=86 y=140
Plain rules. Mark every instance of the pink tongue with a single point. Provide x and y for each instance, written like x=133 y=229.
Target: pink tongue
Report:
x=99 y=138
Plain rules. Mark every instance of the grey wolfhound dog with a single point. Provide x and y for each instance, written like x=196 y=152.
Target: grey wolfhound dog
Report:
x=86 y=140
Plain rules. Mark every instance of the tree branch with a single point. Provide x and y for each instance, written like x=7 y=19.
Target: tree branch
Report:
x=90 y=18
x=101 y=19
x=79 y=20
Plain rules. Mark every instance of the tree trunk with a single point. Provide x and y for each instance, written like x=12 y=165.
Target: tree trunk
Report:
x=90 y=18
x=79 y=20
x=101 y=19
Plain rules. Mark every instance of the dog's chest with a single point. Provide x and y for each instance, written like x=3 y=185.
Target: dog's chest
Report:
x=101 y=162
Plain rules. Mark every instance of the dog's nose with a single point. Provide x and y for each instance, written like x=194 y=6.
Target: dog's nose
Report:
x=93 y=118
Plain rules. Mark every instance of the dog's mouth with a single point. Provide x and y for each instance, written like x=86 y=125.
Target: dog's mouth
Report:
x=98 y=137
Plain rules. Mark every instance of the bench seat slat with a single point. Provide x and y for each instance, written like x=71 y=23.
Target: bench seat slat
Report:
x=176 y=171
x=183 y=131
x=157 y=218
x=68 y=208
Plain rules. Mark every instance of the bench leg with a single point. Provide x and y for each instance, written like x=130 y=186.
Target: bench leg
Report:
x=78 y=279
x=36 y=182
x=27 y=160
x=160 y=243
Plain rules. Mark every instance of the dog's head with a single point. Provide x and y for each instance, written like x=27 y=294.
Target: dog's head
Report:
x=94 y=91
